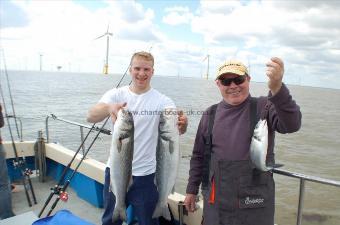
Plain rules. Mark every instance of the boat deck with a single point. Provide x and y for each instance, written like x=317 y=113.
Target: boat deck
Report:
x=76 y=205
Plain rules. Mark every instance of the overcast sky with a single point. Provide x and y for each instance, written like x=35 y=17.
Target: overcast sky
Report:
x=180 y=34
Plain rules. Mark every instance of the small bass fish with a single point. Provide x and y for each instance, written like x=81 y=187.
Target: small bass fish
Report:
x=168 y=156
x=121 y=154
x=259 y=145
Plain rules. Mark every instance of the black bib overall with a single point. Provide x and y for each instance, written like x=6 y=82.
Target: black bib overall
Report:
x=243 y=195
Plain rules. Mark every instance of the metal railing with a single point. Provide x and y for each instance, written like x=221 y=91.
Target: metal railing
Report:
x=303 y=178
x=81 y=126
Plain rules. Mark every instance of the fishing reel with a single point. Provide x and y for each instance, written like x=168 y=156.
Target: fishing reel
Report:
x=18 y=163
x=63 y=196
x=28 y=172
x=58 y=190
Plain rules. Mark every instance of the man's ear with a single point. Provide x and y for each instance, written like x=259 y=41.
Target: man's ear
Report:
x=218 y=83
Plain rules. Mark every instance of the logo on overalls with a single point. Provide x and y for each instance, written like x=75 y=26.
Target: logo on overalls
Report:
x=249 y=201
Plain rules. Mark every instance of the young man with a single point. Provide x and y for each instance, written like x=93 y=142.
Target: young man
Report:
x=5 y=190
x=234 y=192
x=140 y=98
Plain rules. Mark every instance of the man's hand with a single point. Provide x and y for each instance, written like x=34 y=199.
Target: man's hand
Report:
x=190 y=202
x=182 y=122
x=100 y=111
x=275 y=70
x=113 y=110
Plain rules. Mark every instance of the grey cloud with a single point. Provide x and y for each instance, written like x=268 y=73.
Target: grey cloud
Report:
x=293 y=39
x=329 y=20
x=322 y=57
x=294 y=5
x=131 y=12
x=12 y=15
x=315 y=39
x=139 y=26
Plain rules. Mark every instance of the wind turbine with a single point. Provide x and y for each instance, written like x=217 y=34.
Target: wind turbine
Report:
x=207 y=57
x=40 y=55
x=107 y=34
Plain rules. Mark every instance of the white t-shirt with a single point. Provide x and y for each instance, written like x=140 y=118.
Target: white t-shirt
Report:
x=146 y=110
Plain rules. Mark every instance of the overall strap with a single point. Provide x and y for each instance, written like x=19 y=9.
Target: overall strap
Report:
x=253 y=115
x=208 y=147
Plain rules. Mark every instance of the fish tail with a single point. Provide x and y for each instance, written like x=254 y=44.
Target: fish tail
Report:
x=119 y=214
x=162 y=211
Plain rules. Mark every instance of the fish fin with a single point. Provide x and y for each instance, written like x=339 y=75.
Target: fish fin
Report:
x=121 y=140
x=278 y=165
x=111 y=189
x=173 y=189
x=130 y=183
x=123 y=145
x=162 y=210
x=123 y=136
x=271 y=167
x=119 y=145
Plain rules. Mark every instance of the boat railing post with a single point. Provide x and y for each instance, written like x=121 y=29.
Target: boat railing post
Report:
x=41 y=157
x=47 y=133
x=301 y=198
x=82 y=139
x=181 y=212
x=21 y=134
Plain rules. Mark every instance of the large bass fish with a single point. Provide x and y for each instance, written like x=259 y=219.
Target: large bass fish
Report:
x=121 y=155
x=259 y=146
x=168 y=157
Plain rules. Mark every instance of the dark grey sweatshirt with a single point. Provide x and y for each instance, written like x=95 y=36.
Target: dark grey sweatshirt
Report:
x=231 y=135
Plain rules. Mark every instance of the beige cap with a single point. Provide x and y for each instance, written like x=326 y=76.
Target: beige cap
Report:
x=232 y=66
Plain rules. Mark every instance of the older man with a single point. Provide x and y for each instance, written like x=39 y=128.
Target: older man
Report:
x=234 y=191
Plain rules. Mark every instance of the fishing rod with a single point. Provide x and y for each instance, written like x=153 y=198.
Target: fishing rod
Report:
x=18 y=163
x=10 y=94
x=60 y=188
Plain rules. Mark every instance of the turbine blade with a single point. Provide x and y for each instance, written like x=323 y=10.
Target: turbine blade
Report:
x=100 y=36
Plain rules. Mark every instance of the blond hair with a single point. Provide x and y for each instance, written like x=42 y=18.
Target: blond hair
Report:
x=144 y=55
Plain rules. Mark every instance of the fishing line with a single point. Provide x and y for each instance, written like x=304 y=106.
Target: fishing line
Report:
x=18 y=163
x=10 y=93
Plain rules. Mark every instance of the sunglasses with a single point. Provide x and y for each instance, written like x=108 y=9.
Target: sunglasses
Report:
x=237 y=80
